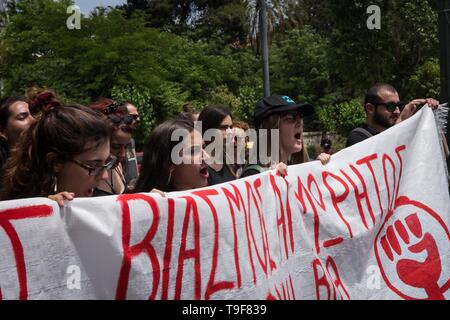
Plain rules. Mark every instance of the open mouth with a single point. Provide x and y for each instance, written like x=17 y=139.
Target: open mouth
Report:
x=298 y=136
x=204 y=172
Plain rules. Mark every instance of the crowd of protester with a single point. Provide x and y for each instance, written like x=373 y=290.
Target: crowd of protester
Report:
x=62 y=151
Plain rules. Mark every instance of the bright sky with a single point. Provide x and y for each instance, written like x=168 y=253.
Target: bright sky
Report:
x=87 y=5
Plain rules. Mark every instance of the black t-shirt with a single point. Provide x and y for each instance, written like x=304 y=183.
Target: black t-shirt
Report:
x=216 y=177
x=359 y=134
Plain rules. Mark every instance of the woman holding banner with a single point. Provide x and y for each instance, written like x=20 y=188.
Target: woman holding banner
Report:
x=283 y=114
x=174 y=158
x=63 y=155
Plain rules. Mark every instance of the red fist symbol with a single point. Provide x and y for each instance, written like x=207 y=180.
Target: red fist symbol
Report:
x=416 y=246
x=412 y=272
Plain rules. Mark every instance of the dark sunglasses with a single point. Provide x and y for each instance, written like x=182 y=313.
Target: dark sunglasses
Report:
x=391 y=106
x=111 y=109
x=95 y=171
x=118 y=119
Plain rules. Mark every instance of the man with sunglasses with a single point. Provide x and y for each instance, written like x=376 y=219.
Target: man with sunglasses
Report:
x=384 y=109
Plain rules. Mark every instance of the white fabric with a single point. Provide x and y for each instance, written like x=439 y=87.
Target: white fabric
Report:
x=371 y=224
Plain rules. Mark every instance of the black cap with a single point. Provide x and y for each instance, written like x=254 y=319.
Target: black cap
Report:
x=276 y=104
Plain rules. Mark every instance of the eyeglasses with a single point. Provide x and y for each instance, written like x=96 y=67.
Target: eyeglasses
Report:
x=291 y=117
x=391 y=106
x=95 y=171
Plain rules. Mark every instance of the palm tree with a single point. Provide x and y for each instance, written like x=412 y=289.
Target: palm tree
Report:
x=275 y=17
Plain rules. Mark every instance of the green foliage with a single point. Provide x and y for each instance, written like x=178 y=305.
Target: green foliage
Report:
x=249 y=96
x=222 y=95
x=299 y=66
x=169 y=100
x=162 y=53
x=342 y=117
x=425 y=82
x=361 y=57
x=142 y=99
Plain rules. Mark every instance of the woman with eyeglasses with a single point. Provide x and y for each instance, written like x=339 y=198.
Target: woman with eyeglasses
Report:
x=282 y=114
x=174 y=158
x=216 y=121
x=121 y=123
x=64 y=154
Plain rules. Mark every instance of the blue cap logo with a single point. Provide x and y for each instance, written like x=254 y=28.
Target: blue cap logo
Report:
x=288 y=100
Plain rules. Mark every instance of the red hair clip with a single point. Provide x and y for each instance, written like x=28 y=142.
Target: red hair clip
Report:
x=45 y=102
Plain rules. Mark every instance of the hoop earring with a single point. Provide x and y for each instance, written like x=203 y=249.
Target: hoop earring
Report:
x=55 y=183
x=170 y=177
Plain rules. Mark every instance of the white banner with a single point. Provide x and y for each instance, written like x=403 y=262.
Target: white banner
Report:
x=371 y=224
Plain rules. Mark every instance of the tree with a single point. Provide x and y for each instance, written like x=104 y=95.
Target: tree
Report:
x=391 y=54
x=300 y=66
x=342 y=117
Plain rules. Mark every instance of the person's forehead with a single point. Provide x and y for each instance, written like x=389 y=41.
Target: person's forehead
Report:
x=388 y=96
x=120 y=136
x=18 y=107
x=95 y=151
x=227 y=120
x=132 y=109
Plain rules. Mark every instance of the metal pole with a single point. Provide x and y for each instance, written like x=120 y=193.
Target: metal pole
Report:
x=444 y=43
x=264 y=45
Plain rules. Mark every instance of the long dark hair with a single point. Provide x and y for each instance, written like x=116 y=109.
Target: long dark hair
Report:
x=60 y=133
x=156 y=162
x=212 y=116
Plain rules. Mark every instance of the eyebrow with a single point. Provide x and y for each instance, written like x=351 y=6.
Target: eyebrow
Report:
x=96 y=160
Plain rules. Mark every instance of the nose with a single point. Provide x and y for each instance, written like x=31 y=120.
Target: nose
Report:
x=30 y=119
x=103 y=175
x=205 y=155
x=122 y=152
x=397 y=110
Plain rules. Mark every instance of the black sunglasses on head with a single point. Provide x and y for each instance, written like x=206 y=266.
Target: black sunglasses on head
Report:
x=111 y=109
x=121 y=119
x=391 y=106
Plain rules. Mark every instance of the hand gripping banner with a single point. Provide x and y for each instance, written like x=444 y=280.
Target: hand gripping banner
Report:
x=371 y=224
